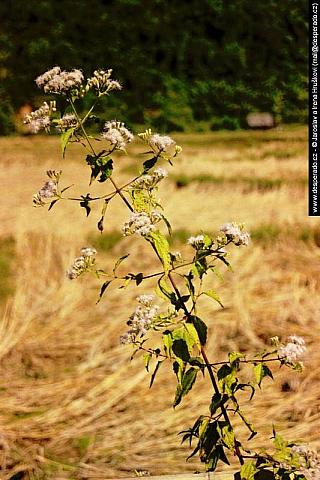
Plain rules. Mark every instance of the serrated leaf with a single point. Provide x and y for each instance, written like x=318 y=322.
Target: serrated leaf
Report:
x=161 y=246
x=119 y=261
x=227 y=379
x=234 y=358
x=141 y=202
x=226 y=434
x=106 y=170
x=261 y=371
x=213 y=294
x=180 y=349
x=247 y=471
x=64 y=140
x=201 y=329
x=103 y=289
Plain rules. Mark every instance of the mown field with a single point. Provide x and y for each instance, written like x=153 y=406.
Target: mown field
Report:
x=72 y=403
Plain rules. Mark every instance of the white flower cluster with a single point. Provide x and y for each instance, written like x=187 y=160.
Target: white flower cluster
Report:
x=292 y=350
x=149 y=181
x=83 y=263
x=161 y=142
x=39 y=118
x=117 y=134
x=141 y=223
x=58 y=81
x=196 y=242
x=67 y=121
x=234 y=232
x=49 y=190
x=102 y=83
x=311 y=459
x=141 y=319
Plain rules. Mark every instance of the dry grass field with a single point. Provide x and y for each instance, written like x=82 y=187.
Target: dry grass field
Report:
x=72 y=404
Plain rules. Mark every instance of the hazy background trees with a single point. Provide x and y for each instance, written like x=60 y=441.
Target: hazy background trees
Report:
x=183 y=63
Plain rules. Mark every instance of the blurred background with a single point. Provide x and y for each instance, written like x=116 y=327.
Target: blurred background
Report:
x=184 y=65
x=73 y=406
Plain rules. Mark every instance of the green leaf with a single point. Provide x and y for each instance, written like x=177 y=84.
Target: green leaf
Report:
x=103 y=289
x=153 y=376
x=216 y=272
x=106 y=170
x=199 y=268
x=260 y=371
x=186 y=385
x=234 y=358
x=141 y=202
x=67 y=188
x=162 y=248
x=119 y=261
x=223 y=260
x=146 y=360
x=189 y=284
x=247 y=471
x=148 y=164
x=166 y=221
x=226 y=434
x=201 y=329
x=216 y=401
x=213 y=294
x=248 y=424
x=227 y=379
x=167 y=341
x=64 y=140
x=180 y=349
x=189 y=334
x=163 y=290
x=52 y=204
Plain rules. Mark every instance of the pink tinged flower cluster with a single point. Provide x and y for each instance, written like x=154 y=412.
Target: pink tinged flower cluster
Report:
x=59 y=81
x=161 y=142
x=234 y=232
x=141 y=223
x=69 y=120
x=311 y=459
x=117 y=134
x=38 y=119
x=49 y=190
x=151 y=180
x=292 y=350
x=83 y=263
x=141 y=319
x=101 y=82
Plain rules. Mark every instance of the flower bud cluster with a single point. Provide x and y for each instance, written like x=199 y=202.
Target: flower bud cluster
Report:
x=40 y=118
x=292 y=350
x=196 y=242
x=233 y=232
x=149 y=181
x=83 y=263
x=69 y=120
x=117 y=134
x=60 y=82
x=102 y=83
x=141 y=223
x=141 y=319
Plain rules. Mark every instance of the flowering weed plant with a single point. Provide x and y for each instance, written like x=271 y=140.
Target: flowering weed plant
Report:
x=179 y=285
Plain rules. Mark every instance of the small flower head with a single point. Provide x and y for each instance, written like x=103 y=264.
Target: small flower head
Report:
x=292 y=350
x=141 y=319
x=61 y=82
x=196 y=242
x=117 y=134
x=149 y=181
x=39 y=119
x=69 y=120
x=140 y=223
x=233 y=232
x=49 y=190
x=82 y=264
x=161 y=142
